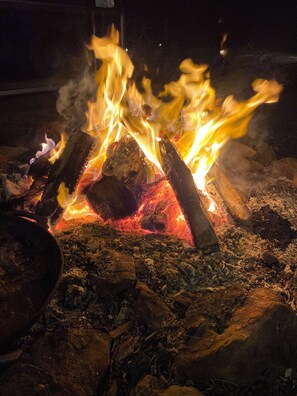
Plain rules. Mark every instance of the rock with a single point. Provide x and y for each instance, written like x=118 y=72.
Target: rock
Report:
x=77 y=359
x=286 y=166
x=266 y=154
x=28 y=380
x=175 y=390
x=12 y=153
x=213 y=308
x=115 y=275
x=14 y=190
x=9 y=358
x=75 y=296
x=150 y=309
x=260 y=338
x=269 y=259
x=148 y=386
x=239 y=159
x=75 y=276
x=238 y=149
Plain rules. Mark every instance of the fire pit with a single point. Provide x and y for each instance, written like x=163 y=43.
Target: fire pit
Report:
x=179 y=242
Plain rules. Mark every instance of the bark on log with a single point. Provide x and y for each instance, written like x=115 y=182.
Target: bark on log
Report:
x=110 y=198
x=182 y=182
x=67 y=169
x=232 y=198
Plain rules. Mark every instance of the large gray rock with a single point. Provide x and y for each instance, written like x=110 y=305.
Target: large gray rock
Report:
x=260 y=338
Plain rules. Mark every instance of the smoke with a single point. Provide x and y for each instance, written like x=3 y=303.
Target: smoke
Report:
x=73 y=99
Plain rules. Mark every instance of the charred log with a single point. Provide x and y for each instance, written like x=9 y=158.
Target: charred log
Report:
x=40 y=167
x=67 y=169
x=232 y=198
x=111 y=199
x=182 y=182
x=127 y=163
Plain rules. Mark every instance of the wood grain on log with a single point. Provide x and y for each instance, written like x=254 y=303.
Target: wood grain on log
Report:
x=182 y=182
x=67 y=169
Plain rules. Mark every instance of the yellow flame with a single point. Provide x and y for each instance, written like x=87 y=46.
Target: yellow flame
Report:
x=58 y=150
x=190 y=115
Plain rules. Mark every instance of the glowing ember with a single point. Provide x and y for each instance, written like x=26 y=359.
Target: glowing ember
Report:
x=192 y=119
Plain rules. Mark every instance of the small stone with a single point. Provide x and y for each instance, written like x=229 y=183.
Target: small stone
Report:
x=116 y=275
x=149 y=262
x=148 y=386
x=150 y=309
x=288 y=270
x=269 y=259
x=288 y=373
x=74 y=296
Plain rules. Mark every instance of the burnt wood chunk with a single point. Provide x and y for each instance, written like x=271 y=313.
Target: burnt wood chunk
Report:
x=127 y=163
x=40 y=167
x=111 y=199
x=68 y=169
x=183 y=185
x=232 y=198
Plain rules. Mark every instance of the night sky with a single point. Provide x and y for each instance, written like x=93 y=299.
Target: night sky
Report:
x=253 y=24
x=38 y=40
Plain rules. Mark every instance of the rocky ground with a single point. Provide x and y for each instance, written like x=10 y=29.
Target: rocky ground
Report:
x=148 y=314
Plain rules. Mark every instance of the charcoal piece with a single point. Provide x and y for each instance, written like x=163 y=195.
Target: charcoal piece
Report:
x=111 y=199
x=127 y=163
x=183 y=185
x=40 y=167
x=68 y=169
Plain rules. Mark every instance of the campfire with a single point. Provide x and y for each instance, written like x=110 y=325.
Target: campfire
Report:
x=148 y=158
x=179 y=271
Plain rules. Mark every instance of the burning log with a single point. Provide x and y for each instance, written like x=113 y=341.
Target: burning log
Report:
x=230 y=195
x=40 y=167
x=67 y=170
x=110 y=198
x=182 y=182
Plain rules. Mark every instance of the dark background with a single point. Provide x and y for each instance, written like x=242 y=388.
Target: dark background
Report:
x=42 y=39
x=42 y=44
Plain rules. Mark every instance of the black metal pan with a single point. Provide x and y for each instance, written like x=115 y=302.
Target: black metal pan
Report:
x=31 y=264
